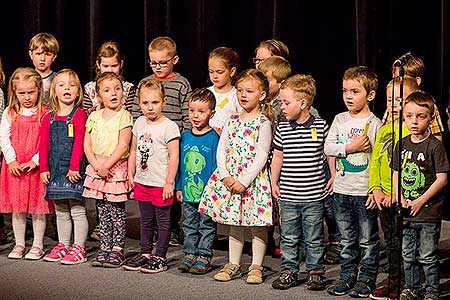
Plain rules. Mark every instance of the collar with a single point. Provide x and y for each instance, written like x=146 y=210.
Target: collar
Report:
x=168 y=77
x=306 y=124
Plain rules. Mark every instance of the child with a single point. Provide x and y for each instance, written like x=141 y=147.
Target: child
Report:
x=163 y=57
x=415 y=67
x=298 y=157
x=152 y=168
x=238 y=192
x=380 y=185
x=222 y=65
x=269 y=48
x=106 y=145
x=43 y=50
x=3 y=235
x=198 y=161
x=349 y=140
x=22 y=192
x=60 y=161
x=109 y=59
x=424 y=168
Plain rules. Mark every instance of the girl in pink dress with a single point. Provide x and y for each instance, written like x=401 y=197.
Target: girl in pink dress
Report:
x=20 y=184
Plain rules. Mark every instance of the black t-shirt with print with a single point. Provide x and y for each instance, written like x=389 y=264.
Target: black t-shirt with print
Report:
x=420 y=163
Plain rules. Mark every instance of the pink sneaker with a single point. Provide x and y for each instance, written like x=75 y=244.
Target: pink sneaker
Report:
x=76 y=255
x=58 y=252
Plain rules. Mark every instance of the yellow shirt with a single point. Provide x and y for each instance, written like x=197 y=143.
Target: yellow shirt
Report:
x=105 y=133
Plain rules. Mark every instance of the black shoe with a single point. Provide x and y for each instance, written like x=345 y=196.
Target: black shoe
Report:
x=286 y=280
x=156 y=264
x=174 y=241
x=362 y=289
x=135 y=263
x=316 y=282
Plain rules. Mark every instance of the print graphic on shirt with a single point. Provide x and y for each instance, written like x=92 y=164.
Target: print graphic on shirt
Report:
x=194 y=163
x=412 y=180
x=223 y=103
x=386 y=141
x=145 y=148
x=354 y=162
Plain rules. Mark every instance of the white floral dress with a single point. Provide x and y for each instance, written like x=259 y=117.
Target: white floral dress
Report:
x=254 y=206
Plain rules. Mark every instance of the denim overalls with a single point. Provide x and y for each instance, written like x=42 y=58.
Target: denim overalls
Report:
x=61 y=144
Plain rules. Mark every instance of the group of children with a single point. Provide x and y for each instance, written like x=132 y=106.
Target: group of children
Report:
x=212 y=150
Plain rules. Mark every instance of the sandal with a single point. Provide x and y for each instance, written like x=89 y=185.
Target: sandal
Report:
x=35 y=253
x=17 y=252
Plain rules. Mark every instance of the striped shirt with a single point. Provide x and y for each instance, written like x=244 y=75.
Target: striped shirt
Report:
x=302 y=177
x=177 y=91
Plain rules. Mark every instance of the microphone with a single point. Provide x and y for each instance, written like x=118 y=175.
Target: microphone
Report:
x=402 y=60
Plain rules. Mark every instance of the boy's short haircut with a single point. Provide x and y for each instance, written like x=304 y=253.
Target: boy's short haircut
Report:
x=408 y=81
x=415 y=67
x=365 y=75
x=45 y=40
x=302 y=85
x=422 y=99
x=151 y=84
x=277 y=66
x=104 y=76
x=203 y=95
x=163 y=43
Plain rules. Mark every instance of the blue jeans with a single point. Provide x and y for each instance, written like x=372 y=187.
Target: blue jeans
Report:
x=302 y=223
x=425 y=238
x=329 y=213
x=359 y=237
x=199 y=231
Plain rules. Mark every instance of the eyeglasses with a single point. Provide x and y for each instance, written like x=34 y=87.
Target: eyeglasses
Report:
x=161 y=64
x=257 y=61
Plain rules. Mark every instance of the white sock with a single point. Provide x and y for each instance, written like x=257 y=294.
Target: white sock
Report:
x=236 y=244
x=259 y=244
x=19 y=223
x=39 y=223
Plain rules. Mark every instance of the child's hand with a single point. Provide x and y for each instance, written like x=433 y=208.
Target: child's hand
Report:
x=73 y=176
x=102 y=172
x=404 y=202
x=168 y=191
x=228 y=182
x=276 y=191
x=415 y=205
x=361 y=143
x=237 y=187
x=388 y=201
x=14 y=168
x=329 y=186
x=179 y=196
x=28 y=166
x=379 y=197
x=45 y=177
x=371 y=203
x=131 y=181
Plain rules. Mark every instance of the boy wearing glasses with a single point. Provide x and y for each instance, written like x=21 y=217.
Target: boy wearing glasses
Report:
x=163 y=57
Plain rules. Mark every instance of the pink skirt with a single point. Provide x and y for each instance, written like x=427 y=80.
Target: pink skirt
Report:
x=115 y=188
x=154 y=195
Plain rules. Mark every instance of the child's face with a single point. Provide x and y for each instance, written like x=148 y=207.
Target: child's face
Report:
x=199 y=114
x=109 y=64
x=111 y=93
x=417 y=118
x=219 y=74
x=291 y=105
x=261 y=54
x=151 y=103
x=27 y=93
x=355 y=96
x=66 y=89
x=406 y=93
x=274 y=86
x=162 y=63
x=42 y=60
x=249 y=94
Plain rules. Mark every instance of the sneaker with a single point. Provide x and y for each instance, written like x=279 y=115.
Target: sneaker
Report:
x=155 y=265
x=332 y=253
x=76 y=255
x=174 y=241
x=58 y=253
x=316 y=281
x=407 y=294
x=186 y=263
x=115 y=259
x=17 y=252
x=255 y=274
x=101 y=258
x=387 y=291
x=362 y=289
x=342 y=286
x=35 y=253
x=135 y=263
x=95 y=235
x=286 y=280
x=201 y=266
x=431 y=296
x=228 y=272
